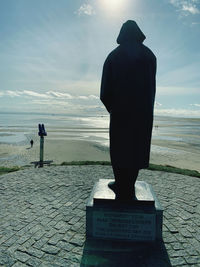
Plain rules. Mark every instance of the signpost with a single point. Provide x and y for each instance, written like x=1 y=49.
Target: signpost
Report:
x=42 y=132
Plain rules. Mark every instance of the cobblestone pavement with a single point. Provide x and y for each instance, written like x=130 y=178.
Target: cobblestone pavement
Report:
x=42 y=220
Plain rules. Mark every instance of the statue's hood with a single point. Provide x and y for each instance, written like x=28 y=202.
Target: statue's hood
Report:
x=130 y=32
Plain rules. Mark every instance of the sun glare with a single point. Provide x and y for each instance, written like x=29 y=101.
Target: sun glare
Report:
x=113 y=5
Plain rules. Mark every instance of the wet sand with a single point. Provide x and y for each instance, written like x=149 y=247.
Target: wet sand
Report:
x=59 y=150
x=167 y=154
x=56 y=150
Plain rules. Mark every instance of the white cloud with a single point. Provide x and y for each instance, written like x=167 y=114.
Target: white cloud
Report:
x=59 y=102
x=195 y=105
x=13 y=93
x=35 y=94
x=86 y=9
x=50 y=102
x=60 y=95
x=186 y=6
x=90 y=97
x=48 y=95
x=190 y=8
x=173 y=91
x=177 y=112
x=174 y=2
x=195 y=23
x=93 y=97
x=82 y=97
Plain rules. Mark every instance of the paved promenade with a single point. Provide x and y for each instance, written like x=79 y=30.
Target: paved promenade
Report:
x=42 y=220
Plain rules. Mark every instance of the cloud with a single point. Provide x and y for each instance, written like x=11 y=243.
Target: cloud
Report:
x=34 y=94
x=58 y=102
x=50 y=102
x=13 y=93
x=176 y=91
x=90 y=97
x=48 y=95
x=177 y=112
x=190 y=8
x=195 y=23
x=195 y=105
x=186 y=6
x=59 y=95
x=82 y=97
x=86 y=9
x=25 y=93
x=93 y=97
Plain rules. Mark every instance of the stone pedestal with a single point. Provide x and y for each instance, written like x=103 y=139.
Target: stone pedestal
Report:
x=136 y=220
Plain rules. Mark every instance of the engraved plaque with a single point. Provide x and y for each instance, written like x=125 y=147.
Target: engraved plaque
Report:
x=134 y=226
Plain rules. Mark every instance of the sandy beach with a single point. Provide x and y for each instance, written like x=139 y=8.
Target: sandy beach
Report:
x=162 y=152
x=167 y=154
x=175 y=141
x=56 y=150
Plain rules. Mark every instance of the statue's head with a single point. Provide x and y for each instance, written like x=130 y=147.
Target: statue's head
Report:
x=130 y=32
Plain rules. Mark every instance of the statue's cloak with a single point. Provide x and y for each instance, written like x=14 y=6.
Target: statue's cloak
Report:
x=128 y=93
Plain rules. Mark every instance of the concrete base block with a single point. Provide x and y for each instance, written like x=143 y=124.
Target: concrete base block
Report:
x=136 y=220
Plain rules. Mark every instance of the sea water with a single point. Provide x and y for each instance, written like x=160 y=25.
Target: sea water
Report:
x=184 y=132
x=20 y=128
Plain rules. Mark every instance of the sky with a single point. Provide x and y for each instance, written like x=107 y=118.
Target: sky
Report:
x=52 y=53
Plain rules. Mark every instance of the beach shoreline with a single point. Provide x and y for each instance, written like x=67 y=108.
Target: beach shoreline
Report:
x=162 y=153
x=175 y=141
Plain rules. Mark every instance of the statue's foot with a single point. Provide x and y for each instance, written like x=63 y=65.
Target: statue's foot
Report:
x=119 y=195
x=125 y=198
x=113 y=186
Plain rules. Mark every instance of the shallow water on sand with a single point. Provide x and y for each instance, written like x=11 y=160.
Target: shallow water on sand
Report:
x=170 y=136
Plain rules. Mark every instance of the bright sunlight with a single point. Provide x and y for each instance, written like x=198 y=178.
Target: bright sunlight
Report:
x=113 y=6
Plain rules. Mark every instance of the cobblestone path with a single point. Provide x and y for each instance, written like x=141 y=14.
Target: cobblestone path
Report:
x=42 y=219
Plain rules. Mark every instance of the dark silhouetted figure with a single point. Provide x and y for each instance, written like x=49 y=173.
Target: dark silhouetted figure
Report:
x=31 y=142
x=128 y=93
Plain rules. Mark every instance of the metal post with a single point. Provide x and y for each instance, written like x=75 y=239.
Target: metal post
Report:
x=41 y=133
x=41 y=150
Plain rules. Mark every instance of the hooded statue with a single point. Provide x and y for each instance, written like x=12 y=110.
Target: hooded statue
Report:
x=128 y=93
x=130 y=32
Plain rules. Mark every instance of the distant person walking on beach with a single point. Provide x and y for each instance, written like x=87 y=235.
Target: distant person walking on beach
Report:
x=128 y=93
x=31 y=142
